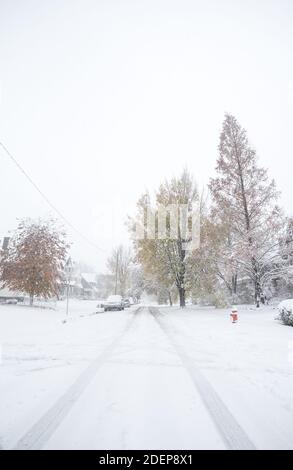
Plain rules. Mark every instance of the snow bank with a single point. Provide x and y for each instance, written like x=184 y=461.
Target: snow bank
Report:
x=286 y=312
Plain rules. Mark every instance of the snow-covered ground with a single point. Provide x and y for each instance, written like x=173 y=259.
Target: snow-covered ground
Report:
x=144 y=378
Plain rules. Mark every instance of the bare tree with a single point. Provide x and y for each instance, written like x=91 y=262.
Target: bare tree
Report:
x=118 y=264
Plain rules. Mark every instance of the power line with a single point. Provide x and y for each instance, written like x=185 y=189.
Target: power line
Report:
x=47 y=200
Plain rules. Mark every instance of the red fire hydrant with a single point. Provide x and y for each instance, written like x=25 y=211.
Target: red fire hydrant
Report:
x=234 y=315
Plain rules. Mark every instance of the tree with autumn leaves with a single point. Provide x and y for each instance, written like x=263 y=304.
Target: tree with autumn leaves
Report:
x=34 y=260
x=245 y=238
x=245 y=214
x=166 y=259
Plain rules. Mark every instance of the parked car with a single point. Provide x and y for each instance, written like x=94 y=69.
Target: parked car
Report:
x=11 y=301
x=126 y=303
x=114 y=302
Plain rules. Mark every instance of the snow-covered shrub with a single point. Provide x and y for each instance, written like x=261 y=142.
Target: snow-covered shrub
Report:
x=286 y=312
x=220 y=300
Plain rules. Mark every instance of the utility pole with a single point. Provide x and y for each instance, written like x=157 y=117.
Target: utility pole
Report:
x=68 y=272
x=116 y=271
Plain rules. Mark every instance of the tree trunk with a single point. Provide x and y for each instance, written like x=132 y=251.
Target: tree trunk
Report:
x=257 y=286
x=181 y=291
x=257 y=293
x=170 y=298
x=234 y=283
x=31 y=299
x=257 y=300
x=257 y=289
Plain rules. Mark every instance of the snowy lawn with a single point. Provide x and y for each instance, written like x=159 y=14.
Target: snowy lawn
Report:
x=249 y=364
x=116 y=380
x=42 y=357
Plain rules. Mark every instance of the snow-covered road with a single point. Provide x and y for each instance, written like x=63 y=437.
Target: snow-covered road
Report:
x=145 y=378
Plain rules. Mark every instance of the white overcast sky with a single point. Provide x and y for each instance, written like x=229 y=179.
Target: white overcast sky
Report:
x=103 y=99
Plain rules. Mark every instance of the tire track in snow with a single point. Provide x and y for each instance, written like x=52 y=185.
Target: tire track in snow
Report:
x=233 y=435
x=43 y=429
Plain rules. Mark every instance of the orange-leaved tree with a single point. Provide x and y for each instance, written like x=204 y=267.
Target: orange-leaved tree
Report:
x=33 y=262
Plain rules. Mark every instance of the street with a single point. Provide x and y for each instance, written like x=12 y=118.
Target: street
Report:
x=154 y=382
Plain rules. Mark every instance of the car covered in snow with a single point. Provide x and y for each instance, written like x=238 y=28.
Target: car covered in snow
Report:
x=114 y=302
x=126 y=303
x=11 y=301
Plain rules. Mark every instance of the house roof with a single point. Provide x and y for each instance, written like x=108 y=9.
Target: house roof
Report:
x=90 y=278
x=5 y=292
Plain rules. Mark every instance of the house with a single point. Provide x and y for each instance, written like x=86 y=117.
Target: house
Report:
x=73 y=285
x=79 y=285
x=7 y=295
x=89 y=285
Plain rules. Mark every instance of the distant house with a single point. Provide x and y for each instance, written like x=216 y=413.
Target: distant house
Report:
x=80 y=285
x=89 y=285
x=74 y=287
x=7 y=294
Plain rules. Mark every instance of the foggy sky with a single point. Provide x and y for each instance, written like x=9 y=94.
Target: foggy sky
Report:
x=103 y=99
